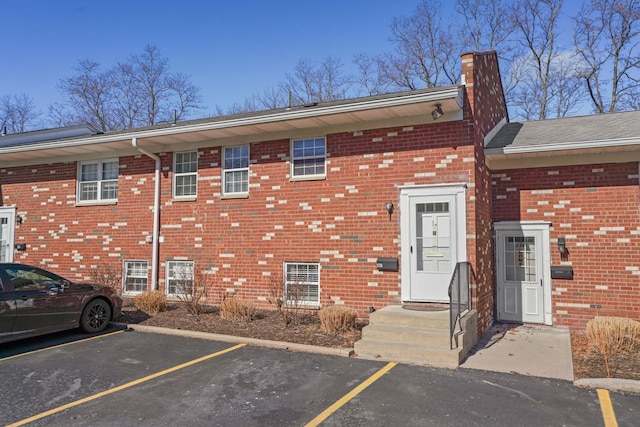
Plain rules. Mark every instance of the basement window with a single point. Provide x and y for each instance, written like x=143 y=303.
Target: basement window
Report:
x=136 y=277
x=97 y=181
x=179 y=277
x=302 y=283
x=309 y=158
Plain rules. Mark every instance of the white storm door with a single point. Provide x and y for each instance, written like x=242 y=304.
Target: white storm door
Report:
x=7 y=224
x=432 y=248
x=521 y=278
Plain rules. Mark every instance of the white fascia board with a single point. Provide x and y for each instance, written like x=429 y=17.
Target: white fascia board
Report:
x=578 y=145
x=450 y=92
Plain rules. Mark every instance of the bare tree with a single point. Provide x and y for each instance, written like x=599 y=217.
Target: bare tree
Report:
x=273 y=97
x=89 y=95
x=139 y=92
x=425 y=53
x=606 y=38
x=370 y=76
x=317 y=82
x=536 y=23
x=485 y=26
x=17 y=113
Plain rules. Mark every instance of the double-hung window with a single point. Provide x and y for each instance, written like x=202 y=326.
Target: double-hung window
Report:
x=308 y=158
x=302 y=283
x=98 y=181
x=236 y=170
x=185 y=174
x=136 y=276
x=179 y=277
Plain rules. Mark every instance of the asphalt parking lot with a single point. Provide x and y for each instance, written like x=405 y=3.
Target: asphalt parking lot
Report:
x=135 y=378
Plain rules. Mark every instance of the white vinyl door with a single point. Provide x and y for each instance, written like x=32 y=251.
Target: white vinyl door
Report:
x=521 y=275
x=7 y=224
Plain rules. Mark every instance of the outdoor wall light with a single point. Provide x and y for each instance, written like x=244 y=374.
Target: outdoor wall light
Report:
x=19 y=220
x=562 y=246
x=437 y=113
x=389 y=207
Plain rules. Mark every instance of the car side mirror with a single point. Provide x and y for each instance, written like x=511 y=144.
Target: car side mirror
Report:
x=54 y=289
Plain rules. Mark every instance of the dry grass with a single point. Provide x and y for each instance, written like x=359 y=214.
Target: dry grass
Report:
x=151 y=302
x=614 y=335
x=337 y=318
x=235 y=308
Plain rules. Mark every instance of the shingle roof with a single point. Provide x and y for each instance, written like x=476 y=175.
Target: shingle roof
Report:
x=600 y=127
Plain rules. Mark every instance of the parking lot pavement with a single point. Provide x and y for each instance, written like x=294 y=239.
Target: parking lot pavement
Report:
x=133 y=378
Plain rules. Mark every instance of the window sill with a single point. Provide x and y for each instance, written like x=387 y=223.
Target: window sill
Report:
x=302 y=306
x=185 y=199
x=96 y=202
x=308 y=178
x=235 y=196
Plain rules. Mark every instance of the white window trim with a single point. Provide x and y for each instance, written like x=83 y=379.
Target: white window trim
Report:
x=124 y=276
x=99 y=200
x=167 y=278
x=176 y=175
x=294 y=177
x=238 y=194
x=301 y=304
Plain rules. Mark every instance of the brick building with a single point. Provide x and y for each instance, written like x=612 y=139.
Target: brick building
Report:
x=313 y=197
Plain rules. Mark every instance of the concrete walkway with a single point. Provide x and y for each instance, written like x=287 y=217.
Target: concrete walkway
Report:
x=540 y=351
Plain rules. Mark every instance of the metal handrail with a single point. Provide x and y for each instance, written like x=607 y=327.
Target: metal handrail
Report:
x=459 y=299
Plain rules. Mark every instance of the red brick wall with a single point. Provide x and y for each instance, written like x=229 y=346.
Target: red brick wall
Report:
x=595 y=208
x=339 y=222
x=487 y=108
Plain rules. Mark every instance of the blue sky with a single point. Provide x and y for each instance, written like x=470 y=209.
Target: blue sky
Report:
x=231 y=49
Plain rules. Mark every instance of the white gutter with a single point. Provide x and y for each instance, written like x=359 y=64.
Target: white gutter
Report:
x=450 y=92
x=563 y=146
x=156 y=214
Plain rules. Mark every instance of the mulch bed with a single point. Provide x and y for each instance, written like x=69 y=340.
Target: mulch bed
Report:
x=267 y=325
x=588 y=363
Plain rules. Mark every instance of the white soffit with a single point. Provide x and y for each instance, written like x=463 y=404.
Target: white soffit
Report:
x=353 y=115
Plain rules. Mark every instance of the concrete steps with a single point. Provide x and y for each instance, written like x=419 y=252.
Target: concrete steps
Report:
x=415 y=337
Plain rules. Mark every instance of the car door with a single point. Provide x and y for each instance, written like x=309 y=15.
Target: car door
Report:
x=7 y=309
x=41 y=303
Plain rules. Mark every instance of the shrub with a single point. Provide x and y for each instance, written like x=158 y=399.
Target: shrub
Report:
x=337 y=318
x=235 y=308
x=614 y=335
x=192 y=291
x=151 y=302
x=290 y=306
x=108 y=275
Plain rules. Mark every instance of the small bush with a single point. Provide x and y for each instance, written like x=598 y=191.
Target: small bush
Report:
x=235 y=308
x=192 y=291
x=614 y=335
x=151 y=302
x=337 y=318
x=107 y=275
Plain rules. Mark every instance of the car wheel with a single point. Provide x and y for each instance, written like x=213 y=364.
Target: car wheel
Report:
x=95 y=316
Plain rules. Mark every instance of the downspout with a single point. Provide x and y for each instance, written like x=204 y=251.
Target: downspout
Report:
x=156 y=214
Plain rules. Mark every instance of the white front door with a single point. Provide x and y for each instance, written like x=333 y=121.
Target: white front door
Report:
x=431 y=246
x=522 y=278
x=7 y=228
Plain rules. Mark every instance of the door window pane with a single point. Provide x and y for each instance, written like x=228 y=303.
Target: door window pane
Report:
x=520 y=258
x=433 y=237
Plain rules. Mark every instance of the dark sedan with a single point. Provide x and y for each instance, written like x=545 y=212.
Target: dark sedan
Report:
x=34 y=301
